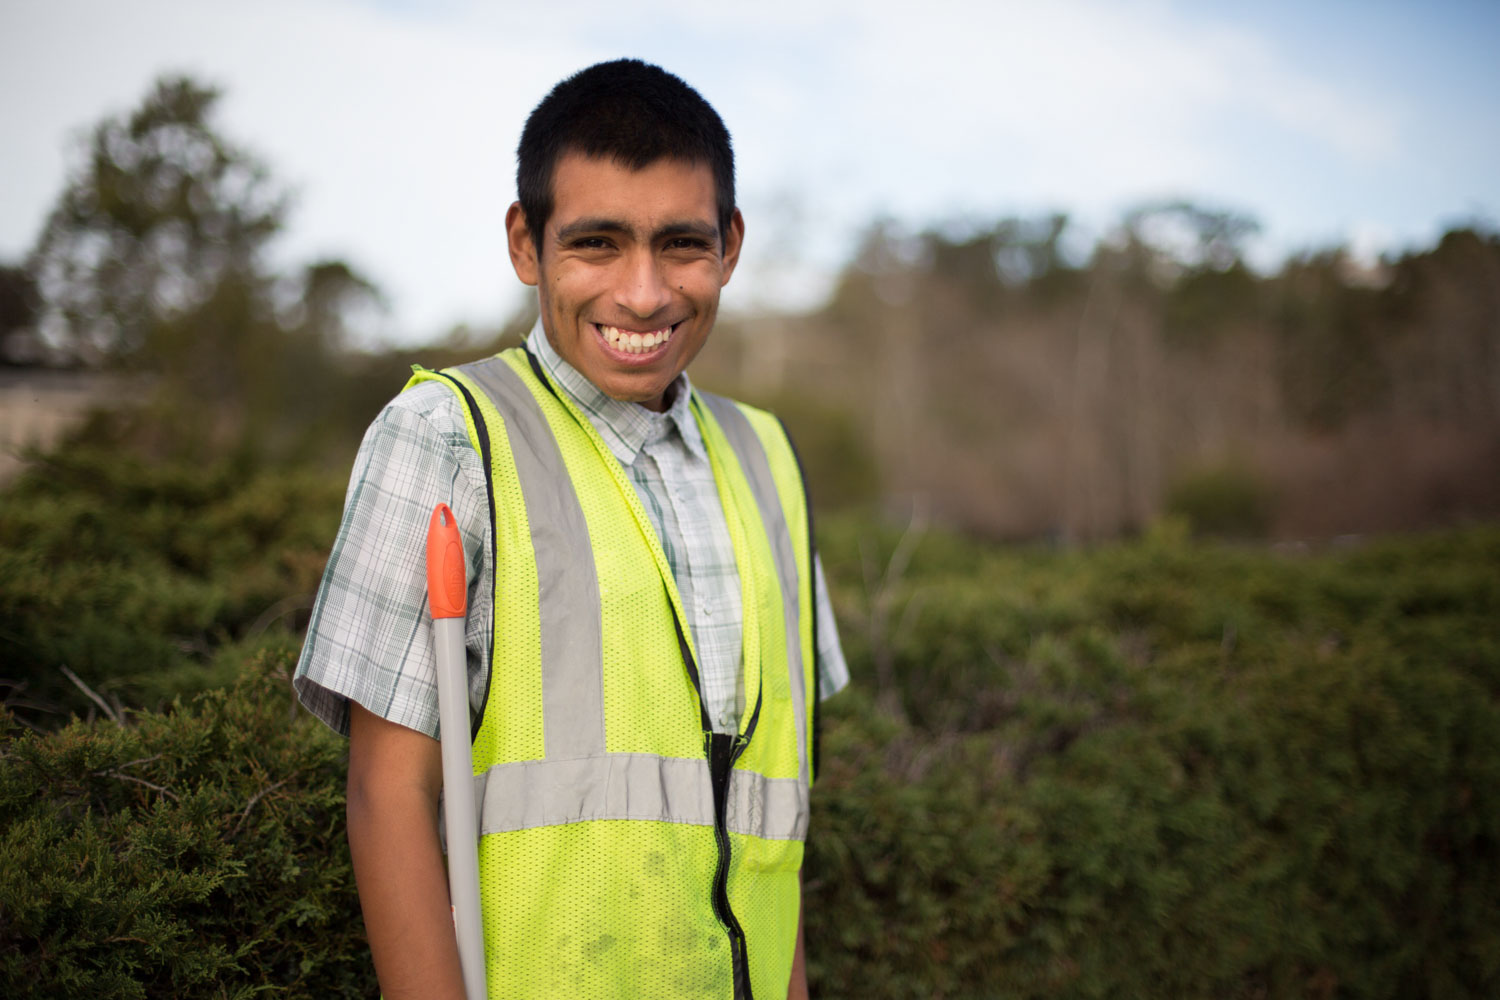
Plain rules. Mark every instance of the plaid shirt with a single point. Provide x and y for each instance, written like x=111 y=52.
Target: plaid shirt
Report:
x=370 y=639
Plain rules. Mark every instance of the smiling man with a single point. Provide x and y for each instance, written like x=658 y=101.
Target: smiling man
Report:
x=628 y=269
x=649 y=633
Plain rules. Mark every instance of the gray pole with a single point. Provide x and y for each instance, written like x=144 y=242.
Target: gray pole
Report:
x=447 y=592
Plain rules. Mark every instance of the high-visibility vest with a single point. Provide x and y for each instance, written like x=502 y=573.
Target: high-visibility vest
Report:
x=626 y=850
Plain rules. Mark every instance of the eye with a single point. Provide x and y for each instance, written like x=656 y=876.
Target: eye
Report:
x=687 y=243
x=591 y=243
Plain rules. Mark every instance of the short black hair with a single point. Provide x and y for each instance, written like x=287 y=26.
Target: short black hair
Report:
x=628 y=111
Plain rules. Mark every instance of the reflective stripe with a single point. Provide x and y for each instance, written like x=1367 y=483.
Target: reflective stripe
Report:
x=567 y=582
x=771 y=808
x=534 y=793
x=752 y=456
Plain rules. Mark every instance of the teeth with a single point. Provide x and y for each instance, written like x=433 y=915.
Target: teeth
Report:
x=635 y=343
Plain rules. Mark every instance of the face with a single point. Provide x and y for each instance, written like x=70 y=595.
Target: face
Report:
x=629 y=271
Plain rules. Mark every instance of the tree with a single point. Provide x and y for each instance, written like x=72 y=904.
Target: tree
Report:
x=334 y=301
x=1187 y=236
x=153 y=261
x=163 y=217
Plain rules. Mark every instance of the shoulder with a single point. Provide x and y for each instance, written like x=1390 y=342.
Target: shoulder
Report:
x=432 y=402
x=423 y=417
x=419 y=441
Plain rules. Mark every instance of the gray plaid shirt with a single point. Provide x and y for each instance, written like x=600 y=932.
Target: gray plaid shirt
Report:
x=369 y=638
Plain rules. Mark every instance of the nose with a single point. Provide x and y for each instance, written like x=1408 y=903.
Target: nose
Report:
x=643 y=289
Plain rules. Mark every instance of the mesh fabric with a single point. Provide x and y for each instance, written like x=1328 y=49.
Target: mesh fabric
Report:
x=606 y=909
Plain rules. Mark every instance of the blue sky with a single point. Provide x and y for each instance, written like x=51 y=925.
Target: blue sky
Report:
x=394 y=122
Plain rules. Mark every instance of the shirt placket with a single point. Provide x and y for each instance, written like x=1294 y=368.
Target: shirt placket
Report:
x=670 y=463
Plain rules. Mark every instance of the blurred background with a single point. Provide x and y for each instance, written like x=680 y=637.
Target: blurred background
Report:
x=1144 y=358
x=1041 y=270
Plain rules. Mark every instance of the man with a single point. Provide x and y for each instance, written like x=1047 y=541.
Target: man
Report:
x=648 y=631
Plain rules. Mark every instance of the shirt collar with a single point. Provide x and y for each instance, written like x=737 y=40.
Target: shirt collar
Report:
x=625 y=427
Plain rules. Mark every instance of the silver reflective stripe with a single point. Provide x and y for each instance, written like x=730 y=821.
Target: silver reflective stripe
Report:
x=567 y=582
x=533 y=793
x=752 y=455
x=773 y=808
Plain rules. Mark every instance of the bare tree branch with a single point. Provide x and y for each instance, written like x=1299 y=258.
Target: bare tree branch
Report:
x=104 y=706
x=254 y=799
x=139 y=781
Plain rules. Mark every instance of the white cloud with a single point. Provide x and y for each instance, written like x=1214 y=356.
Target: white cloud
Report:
x=1076 y=100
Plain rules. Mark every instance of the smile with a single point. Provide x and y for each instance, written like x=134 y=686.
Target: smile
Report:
x=632 y=342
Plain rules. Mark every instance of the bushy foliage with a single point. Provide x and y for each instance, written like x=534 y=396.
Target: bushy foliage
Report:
x=1159 y=768
x=1168 y=769
x=132 y=573
x=199 y=852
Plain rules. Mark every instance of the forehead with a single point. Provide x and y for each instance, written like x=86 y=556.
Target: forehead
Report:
x=662 y=191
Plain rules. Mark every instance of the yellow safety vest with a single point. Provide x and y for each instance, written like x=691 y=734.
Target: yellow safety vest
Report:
x=625 y=849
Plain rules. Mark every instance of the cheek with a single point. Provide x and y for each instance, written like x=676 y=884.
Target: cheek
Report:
x=699 y=280
x=566 y=292
x=580 y=282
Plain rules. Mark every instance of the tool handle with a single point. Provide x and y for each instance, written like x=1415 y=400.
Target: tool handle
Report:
x=447 y=570
x=447 y=591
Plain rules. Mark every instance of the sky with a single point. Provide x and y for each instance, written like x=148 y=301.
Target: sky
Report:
x=393 y=123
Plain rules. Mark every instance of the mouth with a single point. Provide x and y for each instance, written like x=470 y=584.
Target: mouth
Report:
x=636 y=343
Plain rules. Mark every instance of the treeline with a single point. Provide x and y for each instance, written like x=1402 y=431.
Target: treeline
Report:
x=998 y=376
x=986 y=377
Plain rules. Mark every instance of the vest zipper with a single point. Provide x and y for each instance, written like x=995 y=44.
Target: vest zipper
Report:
x=723 y=750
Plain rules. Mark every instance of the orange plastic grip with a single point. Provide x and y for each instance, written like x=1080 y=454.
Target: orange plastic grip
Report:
x=447 y=575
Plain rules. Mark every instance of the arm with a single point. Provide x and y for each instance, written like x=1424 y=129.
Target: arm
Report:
x=797 y=988
x=395 y=775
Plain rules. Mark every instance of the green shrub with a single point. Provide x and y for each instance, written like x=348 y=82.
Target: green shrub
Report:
x=199 y=852
x=1167 y=769
x=131 y=573
x=1159 y=768
x=1227 y=501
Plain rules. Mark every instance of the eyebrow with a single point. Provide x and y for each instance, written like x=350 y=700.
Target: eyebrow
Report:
x=601 y=224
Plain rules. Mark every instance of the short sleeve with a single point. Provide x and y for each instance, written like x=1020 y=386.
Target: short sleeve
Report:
x=370 y=638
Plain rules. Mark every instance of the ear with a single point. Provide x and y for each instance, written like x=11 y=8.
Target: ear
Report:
x=733 y=240
x=523 y=256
